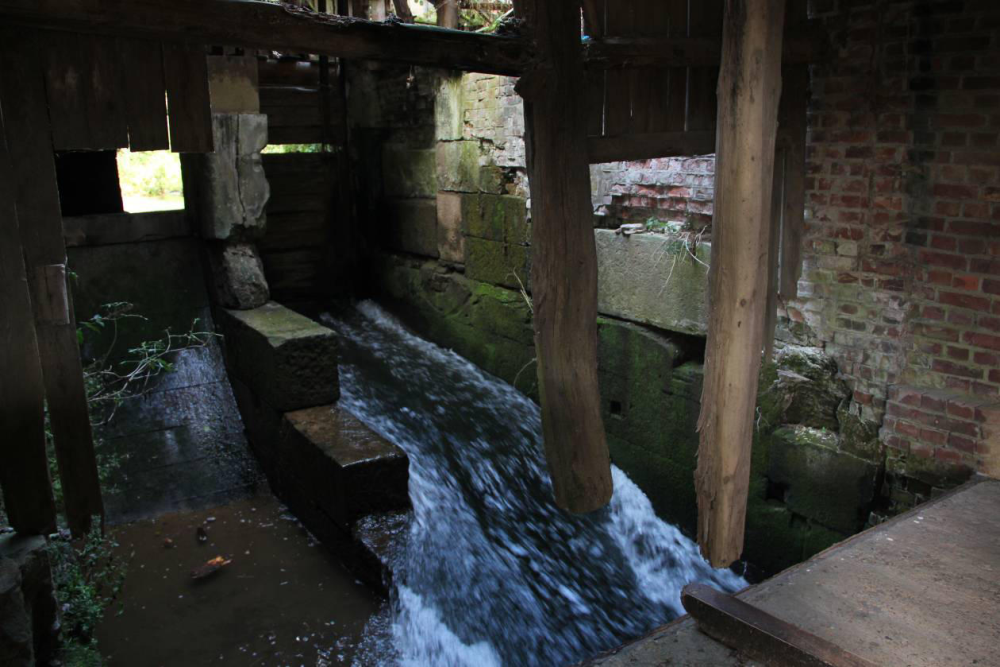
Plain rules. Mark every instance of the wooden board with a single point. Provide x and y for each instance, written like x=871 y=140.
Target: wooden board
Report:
x=705 y=21
x=84 y=92
x=145 y=94
x=24 y=475
x=98 y=230
x=918 y=590
x=29 y=141
x=185 y=71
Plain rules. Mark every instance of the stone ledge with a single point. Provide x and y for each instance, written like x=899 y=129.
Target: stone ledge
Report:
x=285 y=359
x=652 y=279
x=29 y=623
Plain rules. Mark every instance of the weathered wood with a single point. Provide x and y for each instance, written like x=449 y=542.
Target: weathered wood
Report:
x=145 y=94
x=403 y=10
x=84 y=92
x=648 y=146
x=185 y=73
x=593 y=17
x=98 y=230
x=795 y=103
x=29 y=142
x=270 y=26
x=773 y=252
x=807 y=46
x=24 y=474
x=447 y=13
x=705 y=22
x=749 y=91
x=564 y=261
x=759 y=635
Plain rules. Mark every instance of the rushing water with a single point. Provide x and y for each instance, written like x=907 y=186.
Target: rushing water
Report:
x=494 y=573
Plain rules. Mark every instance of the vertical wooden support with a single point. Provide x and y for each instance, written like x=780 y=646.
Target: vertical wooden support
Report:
x=773 y=251
x=564 y=257
x=24 y=472
x=29 y=142
x=447 y=13
x=748 y=92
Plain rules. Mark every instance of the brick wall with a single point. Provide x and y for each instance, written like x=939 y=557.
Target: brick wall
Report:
x=902 y=251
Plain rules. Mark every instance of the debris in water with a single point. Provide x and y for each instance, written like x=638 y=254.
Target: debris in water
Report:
x=168 y=543
x=210 y=567
x=202 y=534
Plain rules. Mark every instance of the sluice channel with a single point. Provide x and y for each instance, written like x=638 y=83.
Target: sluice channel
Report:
x=492 y=572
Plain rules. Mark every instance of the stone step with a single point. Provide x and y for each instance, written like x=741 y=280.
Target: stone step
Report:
x=380 y=542
x=286 y=359
x=344 y=467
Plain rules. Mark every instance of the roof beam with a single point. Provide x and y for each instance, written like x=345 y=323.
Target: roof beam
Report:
x=253 y=24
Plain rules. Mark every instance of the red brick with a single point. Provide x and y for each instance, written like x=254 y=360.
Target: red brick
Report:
x=982 y=340
x=951 y=368
x=991 y=286
x=966 y=282
x=933 y=437
x=961 y=411
x=907 y=429
x=952 y=191
x=964 y=300
x=944 y=260
x=995 y=375
x=961 y=443
x=947 y=455
x=958 y=353
x=971 y=228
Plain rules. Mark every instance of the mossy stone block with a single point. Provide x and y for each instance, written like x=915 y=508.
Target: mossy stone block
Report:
x=285 y=358
x=496 y=218
x=824 y=484
x=412 y=226
x=498 y=263
x=458 y=166
x=408 y=172
x=653 y=279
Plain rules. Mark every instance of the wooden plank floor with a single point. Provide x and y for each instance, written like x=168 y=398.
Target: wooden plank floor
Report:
x=922 y=590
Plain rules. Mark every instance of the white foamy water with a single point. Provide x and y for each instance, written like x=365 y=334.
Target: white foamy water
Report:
x=494 y=573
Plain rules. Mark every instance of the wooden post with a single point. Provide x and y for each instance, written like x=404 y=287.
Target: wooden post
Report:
x=749 y=90
x=29 y=142
x=24 y=469
x=564 y=257
x=447 y=14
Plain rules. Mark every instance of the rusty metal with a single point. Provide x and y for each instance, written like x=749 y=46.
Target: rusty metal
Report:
x=759 y=635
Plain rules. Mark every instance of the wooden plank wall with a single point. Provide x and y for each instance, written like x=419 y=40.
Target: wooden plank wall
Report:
x=306 y=250
x=639 y=112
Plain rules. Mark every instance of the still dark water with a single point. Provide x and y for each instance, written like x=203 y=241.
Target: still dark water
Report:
x=494 y=573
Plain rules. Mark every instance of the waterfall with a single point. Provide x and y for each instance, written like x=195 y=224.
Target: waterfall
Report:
x=493 y=572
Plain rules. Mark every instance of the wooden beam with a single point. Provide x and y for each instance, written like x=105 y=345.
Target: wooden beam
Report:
x=24 y=472
x=29 y=142
x=759 y=635
x=114 y=228
x=749 y=91
x=282 y=28
x=447 y=14
x=649 y=146
x=564 y=257
x=627 y=52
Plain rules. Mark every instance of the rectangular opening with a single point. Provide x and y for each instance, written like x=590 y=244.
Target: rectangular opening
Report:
x=150 y=181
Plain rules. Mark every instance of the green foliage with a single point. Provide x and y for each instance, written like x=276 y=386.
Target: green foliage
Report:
x=272 y=149
x=154 y=174
x=88 y=578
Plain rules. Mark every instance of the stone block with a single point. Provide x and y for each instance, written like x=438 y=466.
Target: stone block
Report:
x=237 y=275
x=29 y=622
x=822 y=483
x=498 y=263
x=233 y=84
x=652 y=279
x=808 y=386
x=345 y=468
x=408 y=172
x=448 y=125
x=451 y=241
x=380 y=541
x=496 y=218
x=458 y=166
x=286 y=359
x=228 y=188
x=412 y=226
